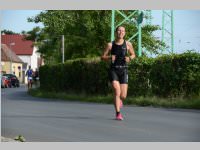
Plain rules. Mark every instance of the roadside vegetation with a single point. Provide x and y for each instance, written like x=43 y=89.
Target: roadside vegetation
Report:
x=171 y=80
x=193 y=103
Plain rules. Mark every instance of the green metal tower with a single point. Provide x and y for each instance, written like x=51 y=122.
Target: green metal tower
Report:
x=168 y=30
x=148 y=21
x=130 y=19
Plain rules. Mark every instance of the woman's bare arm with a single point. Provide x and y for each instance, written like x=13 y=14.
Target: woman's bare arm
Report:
x=105 y=56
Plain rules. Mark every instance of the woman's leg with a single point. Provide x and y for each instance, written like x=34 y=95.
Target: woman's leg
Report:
x=117 y=91
x=124 y=85
x=124 y=89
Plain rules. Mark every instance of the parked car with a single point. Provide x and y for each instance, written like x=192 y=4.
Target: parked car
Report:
x=5 y=82
x=14 y=79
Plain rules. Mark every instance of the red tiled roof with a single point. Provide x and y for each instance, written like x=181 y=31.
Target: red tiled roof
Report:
x=7 y=55
x=21 y=47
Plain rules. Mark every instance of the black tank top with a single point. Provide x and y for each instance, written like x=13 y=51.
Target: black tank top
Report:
x=120 y=51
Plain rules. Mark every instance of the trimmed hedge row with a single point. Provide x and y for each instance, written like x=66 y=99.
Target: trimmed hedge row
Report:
x=176 y=75
x=164 y=76
x=139 y=75
x=81 y=76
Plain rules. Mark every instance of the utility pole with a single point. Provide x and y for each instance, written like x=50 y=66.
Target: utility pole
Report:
x=63 y=49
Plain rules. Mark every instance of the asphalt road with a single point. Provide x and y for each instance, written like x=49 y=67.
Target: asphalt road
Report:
x=47 y=120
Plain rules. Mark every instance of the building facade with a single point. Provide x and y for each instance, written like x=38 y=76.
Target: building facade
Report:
x=25 y=50
x=11 y=63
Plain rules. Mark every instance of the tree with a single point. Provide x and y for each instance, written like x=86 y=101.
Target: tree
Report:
x=86 y=33
x=46 y=45
x=8 y=32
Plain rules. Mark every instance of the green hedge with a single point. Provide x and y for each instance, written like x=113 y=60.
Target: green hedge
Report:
x=83 y=76
x=139 y=71
x=176 y=75
x=164 y=76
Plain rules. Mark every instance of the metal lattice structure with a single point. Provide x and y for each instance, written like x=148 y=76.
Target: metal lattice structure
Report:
x=131 y=20
x=168 y=30
x=167 y=26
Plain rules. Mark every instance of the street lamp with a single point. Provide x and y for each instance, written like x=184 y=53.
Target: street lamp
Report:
x=11 y=44
x=63 y=49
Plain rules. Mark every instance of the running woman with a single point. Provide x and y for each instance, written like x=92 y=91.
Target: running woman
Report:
x=118 y=72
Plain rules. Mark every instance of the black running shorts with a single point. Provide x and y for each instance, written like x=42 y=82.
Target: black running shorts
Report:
x=118 y=74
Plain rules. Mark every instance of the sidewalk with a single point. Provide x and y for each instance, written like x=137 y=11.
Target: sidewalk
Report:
x=3 y=139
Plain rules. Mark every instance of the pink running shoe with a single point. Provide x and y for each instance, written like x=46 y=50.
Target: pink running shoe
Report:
x=119 y=117
x=121 y=104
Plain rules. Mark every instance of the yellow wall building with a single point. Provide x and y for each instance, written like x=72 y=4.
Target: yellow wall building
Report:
x=10 y=62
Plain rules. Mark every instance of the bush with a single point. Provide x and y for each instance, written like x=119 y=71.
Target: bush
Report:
x=176 y=75
x=164 y=76
x=139 y=74
x=82 y=75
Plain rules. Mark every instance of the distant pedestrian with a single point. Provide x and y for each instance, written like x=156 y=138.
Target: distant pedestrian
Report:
x=29 y=74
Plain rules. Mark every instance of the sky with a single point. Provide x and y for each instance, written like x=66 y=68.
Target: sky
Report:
x=16 y=20
x=186 y=29
x=186 y=26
